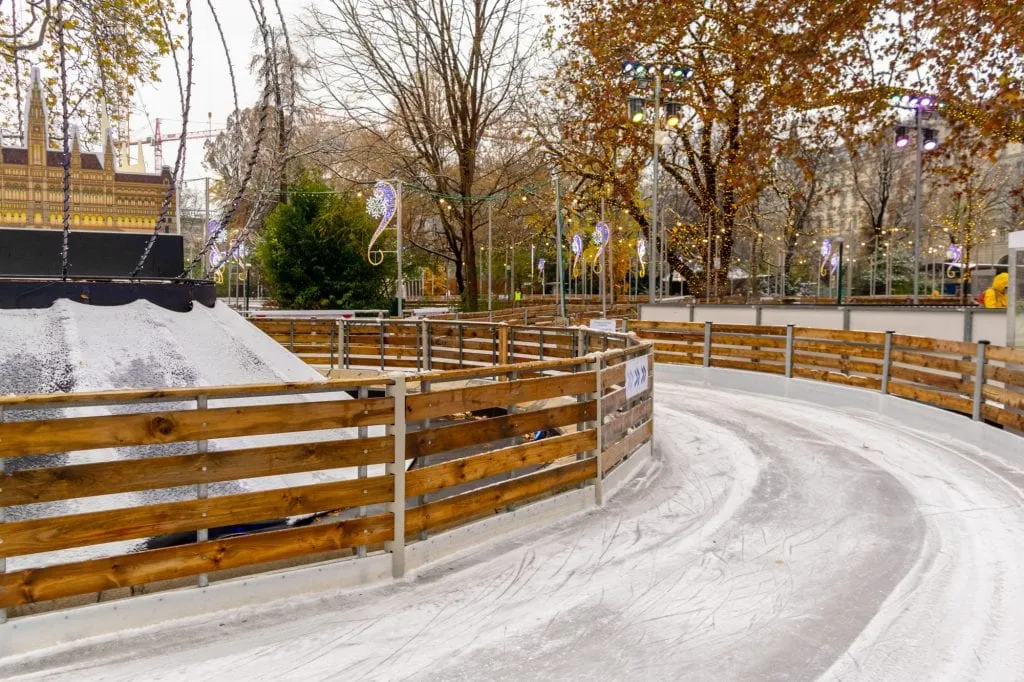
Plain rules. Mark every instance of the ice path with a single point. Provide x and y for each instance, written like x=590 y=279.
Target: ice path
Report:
x=766 y=539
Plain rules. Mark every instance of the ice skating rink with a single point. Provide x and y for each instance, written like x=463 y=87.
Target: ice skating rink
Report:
x=763 y=539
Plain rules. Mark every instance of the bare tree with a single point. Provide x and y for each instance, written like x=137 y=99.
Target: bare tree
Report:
x=439 y=84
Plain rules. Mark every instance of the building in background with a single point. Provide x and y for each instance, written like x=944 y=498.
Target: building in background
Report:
x=103 y=197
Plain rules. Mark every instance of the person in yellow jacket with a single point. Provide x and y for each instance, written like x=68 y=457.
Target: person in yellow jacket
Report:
x=995 y=296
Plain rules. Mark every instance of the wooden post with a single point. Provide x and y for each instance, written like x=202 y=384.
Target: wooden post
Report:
x=979 y=381
x=422 y=499
x=598 y=366
x=291 y=335
x=202 y=491
x=707 y=343
x=540 y=345
x=789 y=351
x=343 y=344
x=503 y=343
x=361 y=471
x=397 y=471
x=886 y=361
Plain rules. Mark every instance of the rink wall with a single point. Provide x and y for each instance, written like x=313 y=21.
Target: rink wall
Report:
x=275 y=489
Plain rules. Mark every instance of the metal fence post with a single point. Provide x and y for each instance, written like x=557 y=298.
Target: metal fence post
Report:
x=599 y=451
x=3 y=560
x=428 y=345
x=381 y=338
x=707 y=343
x=202 y=490
x=422 y=499
x=397 y=471
x=361 y=471
x=968 y=324
x=846 y=319
x=886 y=362
x=580 y=343
x=979 y=381
x=291 y=335
x=757 y=315
x=789 y=350
x=461 y=344
x=343 y=354
x=330 y=345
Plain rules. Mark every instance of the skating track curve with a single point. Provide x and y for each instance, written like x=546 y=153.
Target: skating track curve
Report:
x=764 y=539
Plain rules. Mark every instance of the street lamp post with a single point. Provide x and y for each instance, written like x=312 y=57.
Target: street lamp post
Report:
x=926 y=140
x=642 y=73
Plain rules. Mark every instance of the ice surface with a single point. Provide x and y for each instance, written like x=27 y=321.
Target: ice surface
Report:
x=766 y=539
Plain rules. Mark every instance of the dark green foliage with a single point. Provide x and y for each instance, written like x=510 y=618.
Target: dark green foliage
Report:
x=314 y=252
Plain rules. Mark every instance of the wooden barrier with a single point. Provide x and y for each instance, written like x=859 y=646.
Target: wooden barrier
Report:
x=492 y=415
x=936 y=372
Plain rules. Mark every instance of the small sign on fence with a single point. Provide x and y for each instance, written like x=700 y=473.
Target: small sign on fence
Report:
x=604 y=324
x=638 y=378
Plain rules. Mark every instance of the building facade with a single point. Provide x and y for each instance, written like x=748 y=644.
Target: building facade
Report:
x=102 y=198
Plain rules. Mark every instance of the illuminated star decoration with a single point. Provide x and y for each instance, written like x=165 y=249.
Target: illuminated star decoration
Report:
x=641 y=253
x=826 y=251
x=577 y=251
x=835 y=263
x=955 y=253
x=380 y=205
x=540 y=264
x=600 y=238
x=215 y=234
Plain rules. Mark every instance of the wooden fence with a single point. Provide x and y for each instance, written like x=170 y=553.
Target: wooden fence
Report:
x=979 y=380
x=470 y=340
x=107 y=494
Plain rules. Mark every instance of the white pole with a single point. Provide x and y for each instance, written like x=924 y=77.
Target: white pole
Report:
x=652 y=293
x=489 y=257
x=917 y=206
x=399 y=291
x=604 y=260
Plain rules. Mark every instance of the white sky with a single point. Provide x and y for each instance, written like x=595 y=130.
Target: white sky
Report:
x=211 y=87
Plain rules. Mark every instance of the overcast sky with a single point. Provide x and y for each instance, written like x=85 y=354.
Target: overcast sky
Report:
x=211 y=89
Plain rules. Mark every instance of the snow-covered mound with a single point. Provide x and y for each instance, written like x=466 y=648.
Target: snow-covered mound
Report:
x=76 y=347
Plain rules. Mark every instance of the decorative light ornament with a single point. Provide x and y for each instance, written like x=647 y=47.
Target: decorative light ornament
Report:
x=577 y=251
x=641 y=254
x=826 y=251
x=540 y=264
x=835 y=263
x=381 y=204
x=600 y=239
x=955 y=253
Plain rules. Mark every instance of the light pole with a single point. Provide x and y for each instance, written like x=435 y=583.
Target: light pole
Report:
x=558 y=245
x=927 y=140
x=642 y=74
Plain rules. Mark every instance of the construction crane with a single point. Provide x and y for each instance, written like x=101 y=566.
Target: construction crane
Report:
x=158 y=138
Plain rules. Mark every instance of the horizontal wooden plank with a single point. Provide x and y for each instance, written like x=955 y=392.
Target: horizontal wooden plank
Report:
x=641 y=325
x=1010 y=399
x=839 y=335
x=756 y=330
x=620 y=423
x=476 y=467
x=29 y=486
x=1004 y=354
x=837 y=378
x=842 y=364
x=935 y=345
x=946 y=401
x=692 y=337
x=939 y=362
x=840 y=348
x=87 y=577
x=83 y=433
x=748 y=353
x=1003 y=417
x=92 y=528
x=739 y=340
x=187 y=393
x=617 y=452
x=677 y=358
x=751 y=366
x=457 y=508
x=442 y=439
x=1009 y=376
x=949 y=383
x=613 y=375
x=503 y=394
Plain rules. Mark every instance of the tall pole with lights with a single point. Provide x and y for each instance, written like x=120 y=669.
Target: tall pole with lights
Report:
x=643 y=74
x=927 y=140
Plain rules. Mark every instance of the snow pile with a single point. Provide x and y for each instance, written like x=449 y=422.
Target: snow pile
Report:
x=75 y=347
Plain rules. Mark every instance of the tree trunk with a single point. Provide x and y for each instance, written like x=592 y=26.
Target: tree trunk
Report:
x=469 y=287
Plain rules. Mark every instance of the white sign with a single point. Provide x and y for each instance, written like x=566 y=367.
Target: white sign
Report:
x=1017 y=239
x=606 y=324
x=638 y=378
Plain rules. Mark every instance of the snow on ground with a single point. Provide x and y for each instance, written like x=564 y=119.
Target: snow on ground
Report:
x=766 y=539
x=74 y=347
